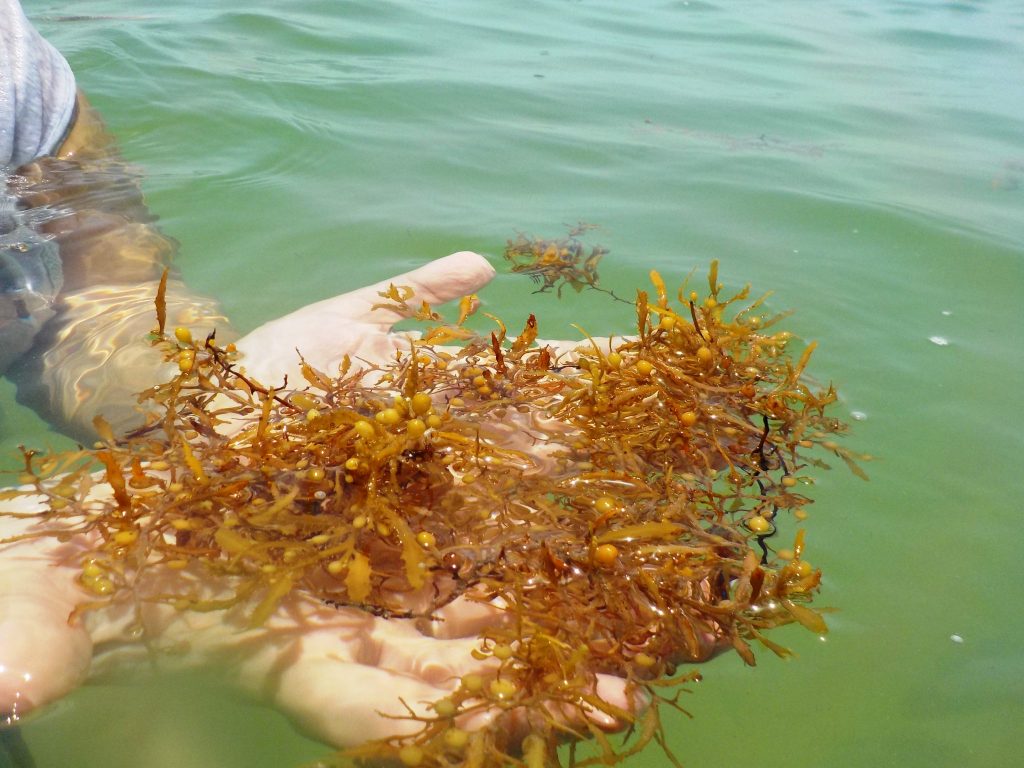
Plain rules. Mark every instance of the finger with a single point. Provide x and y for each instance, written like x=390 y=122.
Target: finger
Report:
x=465 y=617
x=436 y=282
x=440 y=281
x=622 y=700
x=326 y=331
x=399 y=647
x=348 y=704
x=617 y=692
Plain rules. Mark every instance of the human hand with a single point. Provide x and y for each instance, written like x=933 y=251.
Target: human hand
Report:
x=333 y=670
x=43 y=654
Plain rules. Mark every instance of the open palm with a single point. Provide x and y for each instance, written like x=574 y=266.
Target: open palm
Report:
x=335 y=671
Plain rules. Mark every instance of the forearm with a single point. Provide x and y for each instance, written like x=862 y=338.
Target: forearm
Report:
x=94 y=356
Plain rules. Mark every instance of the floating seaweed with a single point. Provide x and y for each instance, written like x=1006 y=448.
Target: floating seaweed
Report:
x=558 y=263
x=620 y=504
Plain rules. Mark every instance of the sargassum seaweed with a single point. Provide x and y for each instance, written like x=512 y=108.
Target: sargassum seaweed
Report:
x=618 y=505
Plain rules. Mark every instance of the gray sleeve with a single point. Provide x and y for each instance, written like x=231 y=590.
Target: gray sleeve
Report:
x=37 y=90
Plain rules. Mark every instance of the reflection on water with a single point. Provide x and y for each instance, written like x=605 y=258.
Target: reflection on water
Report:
x=93 y=356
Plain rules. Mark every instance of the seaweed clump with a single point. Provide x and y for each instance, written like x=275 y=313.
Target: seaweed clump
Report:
x=617 y=504
x=556 y=263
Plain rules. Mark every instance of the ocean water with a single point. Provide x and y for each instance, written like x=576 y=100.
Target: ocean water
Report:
x=863 y=160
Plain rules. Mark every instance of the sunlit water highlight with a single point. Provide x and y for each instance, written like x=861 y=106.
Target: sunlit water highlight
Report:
x=864 y=160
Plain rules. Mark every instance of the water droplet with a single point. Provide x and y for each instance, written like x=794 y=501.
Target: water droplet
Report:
x=947 y=312
x=940 y=341
x=858 y=415
x=957 y=639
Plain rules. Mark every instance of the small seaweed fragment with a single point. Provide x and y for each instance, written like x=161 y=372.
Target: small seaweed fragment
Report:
x=160 y=303
x=618 y=504
x=558 y=263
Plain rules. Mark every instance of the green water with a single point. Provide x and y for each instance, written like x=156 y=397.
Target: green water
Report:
x=864 y=160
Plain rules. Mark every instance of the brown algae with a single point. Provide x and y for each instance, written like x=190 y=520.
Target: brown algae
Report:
x=620 y=503
x=556 y=263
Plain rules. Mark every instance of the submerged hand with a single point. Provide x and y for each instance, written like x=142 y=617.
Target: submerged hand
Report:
x=333 y=670
x=339 y=673
x=43 y=655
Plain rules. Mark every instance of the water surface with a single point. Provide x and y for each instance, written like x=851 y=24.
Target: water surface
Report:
x=864 y=160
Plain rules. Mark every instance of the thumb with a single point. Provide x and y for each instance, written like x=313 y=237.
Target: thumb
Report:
x=270 y=349
x=440 y=281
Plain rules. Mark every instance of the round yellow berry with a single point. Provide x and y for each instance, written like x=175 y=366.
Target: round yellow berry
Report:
x=389 y=417
x=472 y=683
x=445 y=708
x=421 y=403
x=759 y=524
x=503 y=689
x=126 y=537
x=502 y=652
x=186 y=359
x=455 y=738
x=606 y=554
x=411 y=755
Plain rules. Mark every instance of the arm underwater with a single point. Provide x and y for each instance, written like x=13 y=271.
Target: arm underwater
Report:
x=617 y=507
